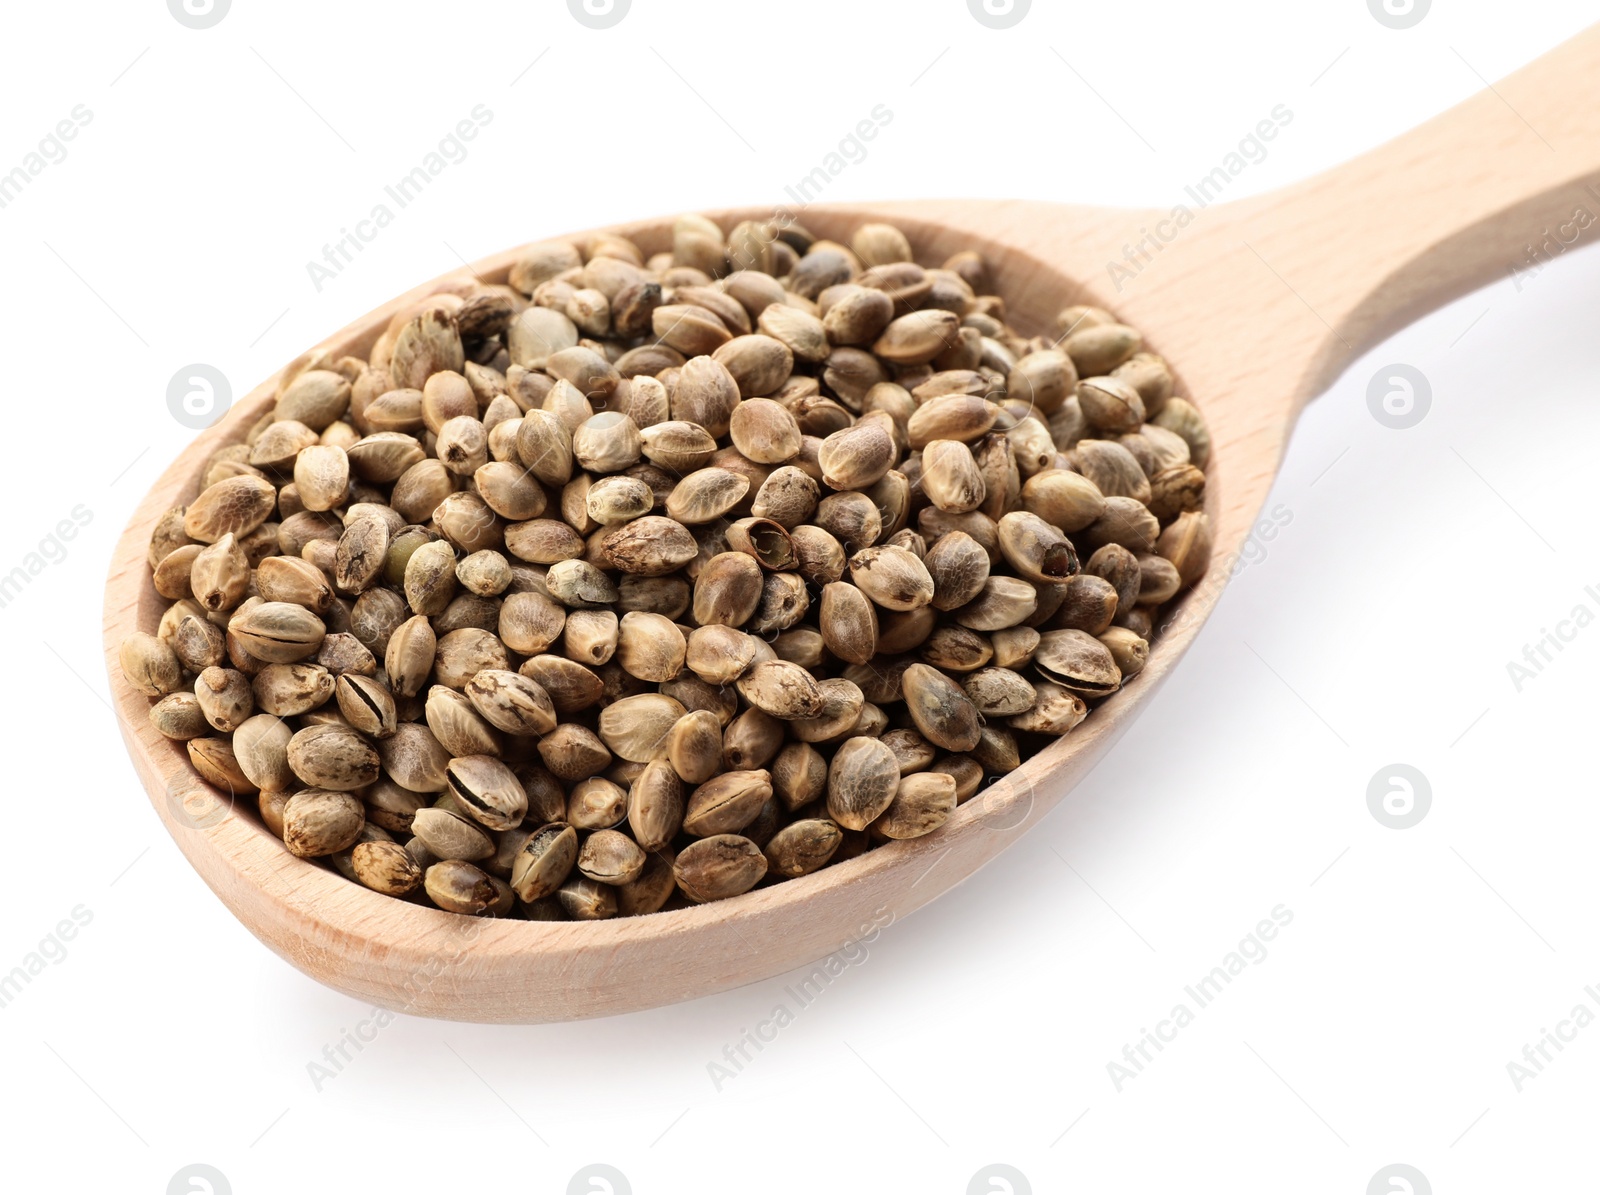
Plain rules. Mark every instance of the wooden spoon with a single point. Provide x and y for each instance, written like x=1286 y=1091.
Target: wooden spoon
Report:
x=1257 y=304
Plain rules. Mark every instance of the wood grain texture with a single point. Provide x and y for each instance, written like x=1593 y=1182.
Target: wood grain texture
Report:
x=1258 y=304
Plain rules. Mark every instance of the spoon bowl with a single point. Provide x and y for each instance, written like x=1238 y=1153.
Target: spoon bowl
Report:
x=1256 y=304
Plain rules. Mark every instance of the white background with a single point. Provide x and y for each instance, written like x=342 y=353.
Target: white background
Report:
x=1376 y=629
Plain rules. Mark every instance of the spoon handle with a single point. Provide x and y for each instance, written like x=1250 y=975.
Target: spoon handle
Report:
x=1496 y=187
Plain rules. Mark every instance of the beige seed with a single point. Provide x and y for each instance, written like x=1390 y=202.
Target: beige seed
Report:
x=1183 y=418
x=959 y=567
x=918 y=337
x=1056 y=710
x=656 y=805
x=719 y=867
x=1099 y=349
x=1066 y=500
x=619 y=499
x=225 y=697
x=941 y=711
x=788 y=497
x=650 y=647
x=460 y=729
x=1002 y=602
x=607 y=443
x=219 y=574
x=414 y=759
x=573 y=752
x=583 y=899
x=800 y=330
x=799 y=776
x=719 y=654
x=237 y=504
x=1043 y=380
x=458 y=887
x=706 y=393
x=510 y=490
x=678 y=445
x=781 y=689
x=728 y=590
x=544 y=862
x=651 y=547
x=590 y=636
x=318 y=822
x=767 y=541
x=295 y=581
x=322 y=475
x=579 y=585
x=487 y=790
x=609 y=857
x=214 y=759
x=1037 y=550
x=951 y=417
x=1110 y=404
x=858 y=316
x=849 y=623
x=764 y=431
x=149 y=665
x=892 y=577
x=856 y=457
x=950 y=476
x=1077 y=661
x=385 y=867
x=861 y=782
x=999 y=692
x=707 y=494
x=636 y=728
x=529 y=622
x=802 y=847
x=178 y=716
x=278 y=632
x=392 y=807
x=759 y=364
x=880 y=244
x=1187 y=545
x=727 y=803
x=596 y=803
x=922 y=803
x=450 y=835
x=693 y=748
x=842 y=708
